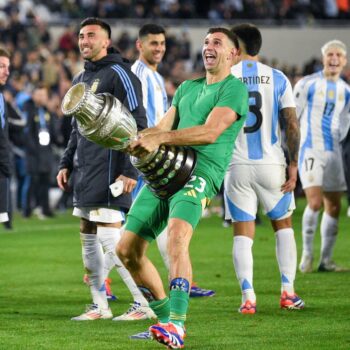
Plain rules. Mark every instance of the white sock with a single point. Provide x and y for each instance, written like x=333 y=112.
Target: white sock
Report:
x=109 y=237
x=286 y=253
x=93 y=262
x=309 y=226
x=329 y=231
x=162 y=242
x=243 y=263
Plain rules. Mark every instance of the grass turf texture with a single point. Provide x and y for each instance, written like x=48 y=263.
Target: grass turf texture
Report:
x=41 y=289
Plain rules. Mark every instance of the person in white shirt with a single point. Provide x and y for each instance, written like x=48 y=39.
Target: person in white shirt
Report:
x=257 y=173
x=321 y=99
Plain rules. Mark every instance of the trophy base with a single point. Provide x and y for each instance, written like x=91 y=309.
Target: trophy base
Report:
x=167 y=170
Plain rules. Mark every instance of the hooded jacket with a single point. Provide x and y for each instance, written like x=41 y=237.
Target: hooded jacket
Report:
x=94 y=167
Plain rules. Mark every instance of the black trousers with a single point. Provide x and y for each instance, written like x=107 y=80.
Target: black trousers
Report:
x=40 y=186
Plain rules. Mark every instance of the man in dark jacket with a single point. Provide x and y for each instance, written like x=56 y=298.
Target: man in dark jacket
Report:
x=39 y=137
x=4 y=143
x=95 y=168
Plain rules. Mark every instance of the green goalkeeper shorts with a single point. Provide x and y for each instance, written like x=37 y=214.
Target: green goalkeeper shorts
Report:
x=149 y=215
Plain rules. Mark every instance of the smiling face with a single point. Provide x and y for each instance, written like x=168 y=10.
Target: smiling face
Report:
x=4 y=69
x=334 y=60
x=152 y=49
x=218 y=52
x=93 y=42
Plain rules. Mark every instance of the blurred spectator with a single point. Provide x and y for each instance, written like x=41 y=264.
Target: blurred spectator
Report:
x=17 y=28
x=40 y=136
x=68 y=40
x=124 y=42
x=302 y=11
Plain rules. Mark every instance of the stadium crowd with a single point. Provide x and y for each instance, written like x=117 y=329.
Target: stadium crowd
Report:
x=302 y=11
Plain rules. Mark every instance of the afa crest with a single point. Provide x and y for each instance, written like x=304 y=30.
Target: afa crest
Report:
x=331 y=94
x=94 y=85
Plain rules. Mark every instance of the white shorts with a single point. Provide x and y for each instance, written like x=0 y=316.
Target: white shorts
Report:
x=322 y=168
x=4 y=217
x=105 y=215
x=248 y=185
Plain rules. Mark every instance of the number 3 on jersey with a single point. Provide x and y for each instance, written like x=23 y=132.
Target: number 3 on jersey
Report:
x=255 y=104
x=253 y=124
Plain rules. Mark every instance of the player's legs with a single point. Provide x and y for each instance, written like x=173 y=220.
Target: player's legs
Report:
x=131 y=250
x=329 y=229
x=92 y=255
x=243 y=263
x=309 y=225
x=241 y=204
x=286 y=253
x=180 y=234
x=109 y=222
x=109 y=235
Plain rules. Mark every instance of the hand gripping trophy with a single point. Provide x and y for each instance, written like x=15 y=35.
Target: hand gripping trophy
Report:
x=104 y=120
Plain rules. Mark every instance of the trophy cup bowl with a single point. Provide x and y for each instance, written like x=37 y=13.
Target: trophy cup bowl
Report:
x=104 y=120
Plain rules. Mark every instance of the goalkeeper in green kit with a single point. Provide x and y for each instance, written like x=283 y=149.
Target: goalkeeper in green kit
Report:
x=206 y=115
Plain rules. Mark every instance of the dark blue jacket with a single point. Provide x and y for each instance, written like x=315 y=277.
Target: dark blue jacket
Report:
x=94 y=167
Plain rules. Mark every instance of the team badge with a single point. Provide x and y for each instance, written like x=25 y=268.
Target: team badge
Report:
x=331 y=94
x=311 y=178
x=94 y=85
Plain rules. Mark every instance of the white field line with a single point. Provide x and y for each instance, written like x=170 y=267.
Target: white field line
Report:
x=42 y=228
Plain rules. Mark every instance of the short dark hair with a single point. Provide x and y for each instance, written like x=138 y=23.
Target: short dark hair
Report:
x=227 y=32
x=250 y=36
x=151 y=28
x=99 y=22
x=4 y=53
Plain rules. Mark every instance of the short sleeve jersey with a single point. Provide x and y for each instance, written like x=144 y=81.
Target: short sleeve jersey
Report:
x=320 y=104
x=270 y=91
x=194 y=101
x=155 y=99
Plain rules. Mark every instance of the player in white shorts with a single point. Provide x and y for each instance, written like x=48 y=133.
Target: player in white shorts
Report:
x=321 y=100
x=96 y=168
x=257 y=172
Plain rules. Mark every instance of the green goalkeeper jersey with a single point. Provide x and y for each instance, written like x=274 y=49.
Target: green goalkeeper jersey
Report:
x=194 y=100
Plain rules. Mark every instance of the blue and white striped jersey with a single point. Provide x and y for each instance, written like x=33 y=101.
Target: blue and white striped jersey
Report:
x=155 y=98
x=260 y=142
x=320 y=105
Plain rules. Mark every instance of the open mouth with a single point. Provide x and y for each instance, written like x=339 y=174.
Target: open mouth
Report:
x=333 y=65
x=209 y=58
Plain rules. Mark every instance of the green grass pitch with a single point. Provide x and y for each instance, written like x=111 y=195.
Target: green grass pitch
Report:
x=41 y=289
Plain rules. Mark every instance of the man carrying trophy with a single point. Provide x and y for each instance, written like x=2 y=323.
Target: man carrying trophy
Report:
x=183 y=160
x=206 y=115
x=96 y=168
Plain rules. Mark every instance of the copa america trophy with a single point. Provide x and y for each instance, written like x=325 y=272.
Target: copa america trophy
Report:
x=104 y=120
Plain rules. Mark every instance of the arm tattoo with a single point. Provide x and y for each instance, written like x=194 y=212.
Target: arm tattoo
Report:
x=292 y=133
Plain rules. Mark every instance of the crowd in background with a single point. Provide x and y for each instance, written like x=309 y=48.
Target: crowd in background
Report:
x=40 y=62
x=302 y=11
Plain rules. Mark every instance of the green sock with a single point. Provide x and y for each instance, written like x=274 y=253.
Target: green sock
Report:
x=178 y=307
x=162 y=309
